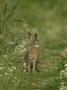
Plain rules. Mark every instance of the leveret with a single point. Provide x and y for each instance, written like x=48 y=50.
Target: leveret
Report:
x=31 y=56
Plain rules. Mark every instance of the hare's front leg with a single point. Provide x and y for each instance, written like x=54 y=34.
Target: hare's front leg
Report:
x=34 y=66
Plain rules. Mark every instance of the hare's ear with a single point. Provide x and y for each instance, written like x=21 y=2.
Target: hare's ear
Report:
x=35 y=37
x=29 y=35
x=36 y=41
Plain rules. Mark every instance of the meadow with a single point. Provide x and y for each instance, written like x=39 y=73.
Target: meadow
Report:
x=49 y=19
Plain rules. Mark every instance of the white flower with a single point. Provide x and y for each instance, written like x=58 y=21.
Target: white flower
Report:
x=62 y=71
x=5 y=56
x=62 y=83
x=65 y=65
x=60 y=77
x=5 y=73
x=13 y=67
x=62 y=87
x=20 y=49
x=64 y=52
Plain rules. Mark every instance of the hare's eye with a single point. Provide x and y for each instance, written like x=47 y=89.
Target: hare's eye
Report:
x=37 y=42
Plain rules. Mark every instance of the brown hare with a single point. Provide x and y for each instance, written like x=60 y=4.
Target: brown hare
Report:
x=32 y=53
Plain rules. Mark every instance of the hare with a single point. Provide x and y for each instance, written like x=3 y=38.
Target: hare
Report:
x=31 y=54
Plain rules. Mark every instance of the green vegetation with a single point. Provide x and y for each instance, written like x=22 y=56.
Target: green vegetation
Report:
x=49 y=19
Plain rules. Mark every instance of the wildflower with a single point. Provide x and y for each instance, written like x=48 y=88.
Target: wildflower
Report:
x=5 y=73
x=61 y=83
x=64 y=52
x=62 y=71
x=20 y=49
x=62 y=87
x=61 y=74
x=65 y=65
x=13 y=67
x=60 y=77
x=5 y=56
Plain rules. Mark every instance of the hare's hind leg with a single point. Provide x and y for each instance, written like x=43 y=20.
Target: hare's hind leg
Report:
x=34 y=65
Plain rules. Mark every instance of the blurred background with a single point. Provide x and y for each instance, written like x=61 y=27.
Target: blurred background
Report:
x=48 y=18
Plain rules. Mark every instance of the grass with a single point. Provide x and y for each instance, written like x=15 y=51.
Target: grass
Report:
x=46 y=17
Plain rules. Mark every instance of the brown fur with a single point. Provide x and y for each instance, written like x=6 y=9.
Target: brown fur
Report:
x=31 y=56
